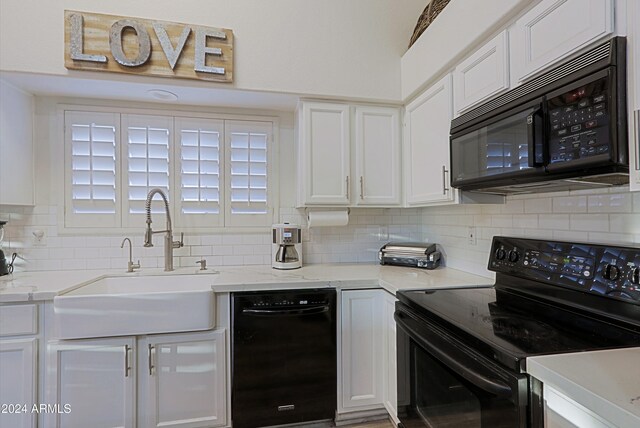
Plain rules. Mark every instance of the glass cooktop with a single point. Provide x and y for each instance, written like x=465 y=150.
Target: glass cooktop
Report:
x=508 y=327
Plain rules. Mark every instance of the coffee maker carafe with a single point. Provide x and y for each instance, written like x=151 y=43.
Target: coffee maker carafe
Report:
x=286 y=250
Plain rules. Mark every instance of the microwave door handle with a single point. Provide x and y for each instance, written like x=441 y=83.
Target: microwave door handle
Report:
x=534 y=135
x=493 y=386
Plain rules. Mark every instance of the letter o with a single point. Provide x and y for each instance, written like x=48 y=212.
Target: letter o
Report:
x=115 y=43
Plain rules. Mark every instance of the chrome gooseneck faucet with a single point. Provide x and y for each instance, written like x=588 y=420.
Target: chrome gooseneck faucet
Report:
x=131 y=266
x=169 y=243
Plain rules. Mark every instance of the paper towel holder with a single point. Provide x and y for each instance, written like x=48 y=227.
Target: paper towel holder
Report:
x=332 y=210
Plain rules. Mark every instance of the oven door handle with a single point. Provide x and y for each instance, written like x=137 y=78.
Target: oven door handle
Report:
x=463 y=364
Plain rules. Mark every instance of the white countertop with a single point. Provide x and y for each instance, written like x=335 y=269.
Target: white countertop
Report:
x=605 y=382
x=38 y=286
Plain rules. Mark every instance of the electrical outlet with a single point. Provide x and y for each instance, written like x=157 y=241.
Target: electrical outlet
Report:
x=471 y=235
x=39 y=238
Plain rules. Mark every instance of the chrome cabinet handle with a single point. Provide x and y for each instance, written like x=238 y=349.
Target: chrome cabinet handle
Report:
x=150 y=351
x=361 y=187
x=636 y=127
x=445 y=189
x=347 y=187
x=127 y=362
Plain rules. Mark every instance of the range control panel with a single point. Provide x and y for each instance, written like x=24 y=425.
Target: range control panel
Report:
x=597 y=269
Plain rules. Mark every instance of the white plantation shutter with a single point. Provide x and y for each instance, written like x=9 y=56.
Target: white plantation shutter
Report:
x=247 y=164
x=215 y=172
x=92 y=184
x=147 y=141
x=199 y=178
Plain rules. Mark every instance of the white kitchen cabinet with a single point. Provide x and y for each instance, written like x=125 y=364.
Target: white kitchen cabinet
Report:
x=93 y=382
x=482 y=75
x=16 y=146
x=633 y=82
x=426 y=147
x=168 y=380
x=562 y=412
x=390 y=366
x=377 y=179
x=348 y=155
x=18 y=382
x=554 y=29
x=363 y=355
x=183 y=380
x=324 y=154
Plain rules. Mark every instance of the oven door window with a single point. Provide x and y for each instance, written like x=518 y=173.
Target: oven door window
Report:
x=443 y=399
x=495 y=149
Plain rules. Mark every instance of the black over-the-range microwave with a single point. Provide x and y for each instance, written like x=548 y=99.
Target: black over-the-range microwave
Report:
x=564 y=130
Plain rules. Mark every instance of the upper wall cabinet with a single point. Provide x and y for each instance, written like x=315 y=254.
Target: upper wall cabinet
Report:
x=554 y=29
x=348 y=155
x=426 y=147
x=324 y=157
x=377 y=155
x=16 y=146
x=482 y=75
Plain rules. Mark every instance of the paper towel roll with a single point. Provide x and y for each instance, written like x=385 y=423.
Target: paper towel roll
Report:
x=328 y=218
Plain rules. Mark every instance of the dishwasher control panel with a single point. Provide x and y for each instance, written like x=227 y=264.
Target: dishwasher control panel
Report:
x=286 y=298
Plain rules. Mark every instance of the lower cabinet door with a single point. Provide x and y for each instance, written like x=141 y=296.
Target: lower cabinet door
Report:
x=362 y=341
x=92 y=383
x=182 y=380
x=18 y=383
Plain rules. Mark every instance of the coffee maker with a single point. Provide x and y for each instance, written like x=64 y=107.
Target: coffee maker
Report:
x=286 y=250
x=5 y=268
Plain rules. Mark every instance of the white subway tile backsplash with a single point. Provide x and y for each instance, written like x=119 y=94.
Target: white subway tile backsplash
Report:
x=598 y=216
x=568 y=235
x=610 y=203
x=553 y=221
x=538 y=205
x=525 y=221
x=625 y=223
x=501 y=220
x=612 y=238
x=570 y=204
x=513 y=206
x=203 y=250
x=589 y=222
x=210 y=240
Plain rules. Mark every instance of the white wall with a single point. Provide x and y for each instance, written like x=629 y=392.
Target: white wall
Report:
x=326 y=48
x=601 y=216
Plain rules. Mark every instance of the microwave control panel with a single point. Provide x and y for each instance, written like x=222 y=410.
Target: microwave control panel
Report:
x=579 y=123
x=597 y=269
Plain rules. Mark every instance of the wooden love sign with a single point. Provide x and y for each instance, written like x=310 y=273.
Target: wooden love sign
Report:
x=140 y=46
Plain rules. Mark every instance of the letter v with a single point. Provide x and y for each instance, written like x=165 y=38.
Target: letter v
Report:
x=171 y=53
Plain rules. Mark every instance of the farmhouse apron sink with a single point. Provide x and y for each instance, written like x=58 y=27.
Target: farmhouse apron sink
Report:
x=126 y=306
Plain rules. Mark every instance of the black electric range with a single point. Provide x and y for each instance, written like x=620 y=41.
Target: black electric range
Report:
x=462 y=353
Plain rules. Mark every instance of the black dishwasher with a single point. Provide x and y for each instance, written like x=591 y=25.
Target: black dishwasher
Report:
x=283 y=357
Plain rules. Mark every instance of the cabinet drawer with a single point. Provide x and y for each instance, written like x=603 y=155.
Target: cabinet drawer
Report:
x=18 y=320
